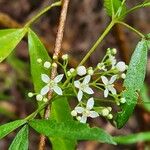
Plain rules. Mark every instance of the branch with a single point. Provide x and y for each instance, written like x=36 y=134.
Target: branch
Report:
x=57 y=50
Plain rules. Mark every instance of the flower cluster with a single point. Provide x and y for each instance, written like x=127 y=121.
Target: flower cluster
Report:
x=84 y=83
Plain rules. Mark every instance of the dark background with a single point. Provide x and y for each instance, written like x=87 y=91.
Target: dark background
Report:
x=86 y=20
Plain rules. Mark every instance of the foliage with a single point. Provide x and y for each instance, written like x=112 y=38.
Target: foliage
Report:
x=53 y=90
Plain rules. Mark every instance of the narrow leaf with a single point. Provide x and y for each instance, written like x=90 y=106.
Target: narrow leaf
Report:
x=36 y=51
x=8 y=41
x=9 y=127
x=21 y=140
x=60 y=111
x=132 y=138
x=70 y=130
x=133 y=82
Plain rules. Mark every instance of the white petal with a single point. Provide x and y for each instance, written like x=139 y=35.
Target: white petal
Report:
x=106 y=93
x=58 y=90
x=88 y=90
x=79 y=110
x=87 y=79
x=83 y=119
x=113 y=78
x=90 y=103
x=104 y=79
x=45 y=90
x=45 y=78
x=112 y=89
x=93 y=114
x=58 y=78
x=77 y=84
x=80 y=95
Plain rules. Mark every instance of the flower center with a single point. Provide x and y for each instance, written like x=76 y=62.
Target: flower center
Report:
x=86 y=112
x=52 y=83
x=83 y=86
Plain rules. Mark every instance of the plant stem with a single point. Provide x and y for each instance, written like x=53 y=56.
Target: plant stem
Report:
x=137 y=7
x=93 y=48
x=57 y=49
x=133 y=29
x=31 y=116
x=42 y=12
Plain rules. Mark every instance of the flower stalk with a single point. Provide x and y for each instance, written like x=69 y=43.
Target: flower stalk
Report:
x=57 y=50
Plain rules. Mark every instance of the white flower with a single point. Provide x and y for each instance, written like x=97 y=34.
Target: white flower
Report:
x=81 y=70
x=51 y=84
x=47 y=64
x=121 y=66
x=86 y=112
x=83 y=87
x=109 y=85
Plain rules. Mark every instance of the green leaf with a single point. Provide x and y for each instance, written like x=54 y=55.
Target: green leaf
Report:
x=9 y=127
x=145 y=97
x=70 y=130
x=133 y=82
x=36 y=51
x=9 y=39
x=114 y=7
x=132 y=138
x=20 y=142
x=60 y=111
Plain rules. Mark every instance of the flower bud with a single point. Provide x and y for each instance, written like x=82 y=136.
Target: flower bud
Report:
x=90 y=71
x=47 y=64
x=65 y=56
x=105 y=112
x=78 y=118
x=121 y=66
x=110 y=116
x=123 y=76
x=54 y=65
x=68 y=73
x=39 y=97
x=55 y=57
x=114 y=51
x=72 y=70
x=74 y=113
x=30 y=94
x=122 y=100
x=39 y=60
x=81 y=70
x=45 y=99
